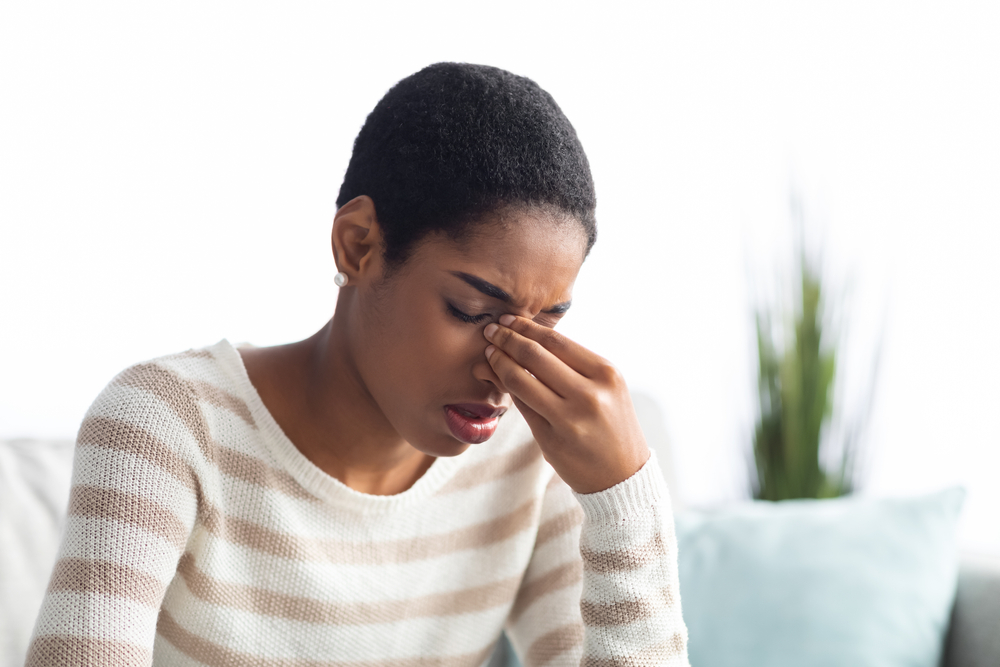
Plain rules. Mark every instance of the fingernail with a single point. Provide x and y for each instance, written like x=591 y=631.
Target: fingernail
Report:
x=490 y=350
x=506 y=320
x=490 y=330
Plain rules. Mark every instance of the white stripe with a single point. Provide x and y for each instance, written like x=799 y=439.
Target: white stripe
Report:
x=637 y=532
x=617 y=585
x=434 y=516
x=112 y=466
x=97 y=616
x=549 y=612
x=558 y=500
x=238 y=564
x=558 y=550
x=121 y=543
x=165 y=655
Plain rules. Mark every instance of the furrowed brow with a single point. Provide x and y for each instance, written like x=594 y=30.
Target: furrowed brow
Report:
x=489 y=289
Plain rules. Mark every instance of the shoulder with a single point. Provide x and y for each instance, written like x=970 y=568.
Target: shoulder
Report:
x=197 y=374
x=166 y=401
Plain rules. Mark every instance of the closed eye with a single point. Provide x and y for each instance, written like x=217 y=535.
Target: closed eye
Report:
x=465 y=317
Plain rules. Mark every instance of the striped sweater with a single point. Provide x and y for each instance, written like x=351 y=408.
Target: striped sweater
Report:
x=197 y=534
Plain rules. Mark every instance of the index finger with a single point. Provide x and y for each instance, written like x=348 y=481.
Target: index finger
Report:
x=571 y=353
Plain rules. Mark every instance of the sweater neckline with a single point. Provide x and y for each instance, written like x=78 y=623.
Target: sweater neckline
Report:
x=309 y=475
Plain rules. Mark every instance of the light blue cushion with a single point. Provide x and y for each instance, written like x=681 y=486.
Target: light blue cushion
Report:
x=820 y=582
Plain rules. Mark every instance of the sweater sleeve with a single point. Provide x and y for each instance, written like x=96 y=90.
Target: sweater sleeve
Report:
x=132 y=506
x=602 y=587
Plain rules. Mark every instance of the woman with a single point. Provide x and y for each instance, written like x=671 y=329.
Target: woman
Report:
x=371 y=496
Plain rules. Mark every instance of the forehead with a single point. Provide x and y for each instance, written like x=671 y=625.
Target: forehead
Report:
x=534 y=256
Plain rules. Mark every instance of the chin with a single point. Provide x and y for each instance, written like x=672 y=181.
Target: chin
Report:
x=445 y=446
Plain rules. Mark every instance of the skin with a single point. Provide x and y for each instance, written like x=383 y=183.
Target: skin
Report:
x=364 y=397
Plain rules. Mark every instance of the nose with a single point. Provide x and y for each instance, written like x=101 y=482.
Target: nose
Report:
x=483 y=372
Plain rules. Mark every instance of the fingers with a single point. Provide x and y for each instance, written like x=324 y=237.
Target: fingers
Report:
x=535 y=359
x=554 y=376
x=538 y=424
x=521 y=384
x=571 y=353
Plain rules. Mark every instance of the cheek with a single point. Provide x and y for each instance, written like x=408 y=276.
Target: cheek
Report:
x=446 y=350
x=445 y=358
x=414 y=344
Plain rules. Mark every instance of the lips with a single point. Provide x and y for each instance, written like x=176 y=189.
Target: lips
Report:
x=472 y=422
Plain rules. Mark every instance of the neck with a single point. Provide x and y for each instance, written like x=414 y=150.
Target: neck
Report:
x=315 y=393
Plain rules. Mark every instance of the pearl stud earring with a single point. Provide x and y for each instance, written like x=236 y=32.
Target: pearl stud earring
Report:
x=340 y=279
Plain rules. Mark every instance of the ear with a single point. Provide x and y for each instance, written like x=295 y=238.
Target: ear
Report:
x=357 y=238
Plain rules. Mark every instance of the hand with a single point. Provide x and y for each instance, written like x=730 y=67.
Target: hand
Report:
x=575 y=402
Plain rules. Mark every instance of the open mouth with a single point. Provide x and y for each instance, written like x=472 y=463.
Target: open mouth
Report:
x=472 y=423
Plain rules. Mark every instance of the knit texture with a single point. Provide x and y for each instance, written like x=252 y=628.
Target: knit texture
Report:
x=197 y=534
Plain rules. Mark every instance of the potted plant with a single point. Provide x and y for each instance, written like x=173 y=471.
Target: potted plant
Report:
x=798 y=354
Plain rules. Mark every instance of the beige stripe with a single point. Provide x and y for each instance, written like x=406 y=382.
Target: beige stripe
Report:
x=554 y=644
x=494 y=469
x=653 y=655
x=624 y=611
x=209 y=392
x=605 y=562
x=240 y=531
x=269 y=603
x=559 y=578
x=120 y=435
x=559 y=524
x=209 y=652
x=64 y=651
x=91 y=501
x=81 y=575
x=253 y=470
x=178 y=394
x=216 y=655
x=182 y=395
x=222 y=399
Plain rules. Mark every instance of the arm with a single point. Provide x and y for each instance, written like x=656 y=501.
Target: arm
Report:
x=601 y=587
x=580 y=412
x=631 y=594
x=132 y=507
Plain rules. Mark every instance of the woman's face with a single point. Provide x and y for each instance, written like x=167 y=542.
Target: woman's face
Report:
x=417 y=341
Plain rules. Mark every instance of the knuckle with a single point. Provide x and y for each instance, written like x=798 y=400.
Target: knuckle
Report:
x=501 y=337
x=520 y=349
x=519 y=324
x=503 y=366
x=608 y=401
x=554 y=340
x=608 y=374
x=531 y=352
x=498 y=360
x=591 y=402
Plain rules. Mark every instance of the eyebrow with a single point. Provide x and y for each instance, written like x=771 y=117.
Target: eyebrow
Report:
x=491 y=290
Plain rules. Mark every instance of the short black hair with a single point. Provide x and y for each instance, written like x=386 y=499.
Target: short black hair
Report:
x=455 y=142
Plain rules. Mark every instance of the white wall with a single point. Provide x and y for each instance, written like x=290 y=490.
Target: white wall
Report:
x=168 y=176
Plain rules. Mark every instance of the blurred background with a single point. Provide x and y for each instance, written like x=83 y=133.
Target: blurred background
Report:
x=168 y=175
